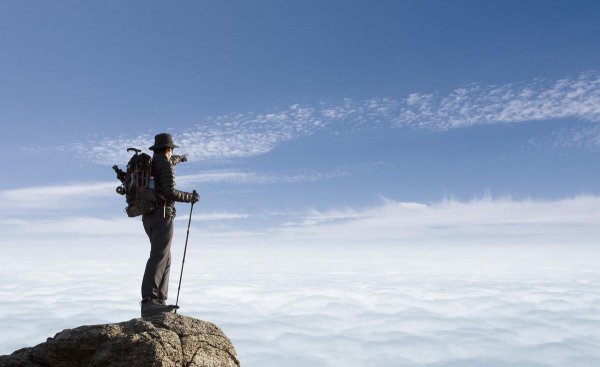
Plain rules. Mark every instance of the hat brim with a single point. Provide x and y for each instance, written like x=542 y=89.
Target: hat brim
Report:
x=163 y=146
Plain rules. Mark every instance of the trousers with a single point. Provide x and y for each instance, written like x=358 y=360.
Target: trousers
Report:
x=155 y=284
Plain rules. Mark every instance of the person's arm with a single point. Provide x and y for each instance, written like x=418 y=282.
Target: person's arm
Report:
x=166 y=179
x=178 y=159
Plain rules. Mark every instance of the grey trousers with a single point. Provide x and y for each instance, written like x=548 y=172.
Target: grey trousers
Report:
x=155 y=284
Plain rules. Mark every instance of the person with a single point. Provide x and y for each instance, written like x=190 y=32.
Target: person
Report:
x=158 y=225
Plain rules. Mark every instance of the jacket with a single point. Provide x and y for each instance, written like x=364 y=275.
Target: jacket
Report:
x=163 y=171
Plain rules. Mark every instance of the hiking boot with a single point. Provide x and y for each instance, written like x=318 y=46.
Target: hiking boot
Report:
x=155 y=306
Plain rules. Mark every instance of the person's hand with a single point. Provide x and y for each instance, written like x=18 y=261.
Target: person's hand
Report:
x=183 y=158
x=195 y=197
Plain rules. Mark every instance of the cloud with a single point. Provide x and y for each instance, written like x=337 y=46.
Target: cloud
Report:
x=87 y=194
x=401 y=283
x=579 y=137
x=222 y=137
x=83 y=226
x=217 y=216
x=241 y=135
x=248 y=177
x=310 y=305
x=58 y=197
x=449 y=222
x=501 y=220
x=573 y=97
x=94 y=226
x=477 y=212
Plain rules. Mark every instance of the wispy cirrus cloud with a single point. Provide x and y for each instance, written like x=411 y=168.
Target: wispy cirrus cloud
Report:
x=223 y=137
x=249 y=134
x=87 y=194
x=59 y=197
x=216 y=216
x=573 y=97
x=578 y=137
x=249 y=177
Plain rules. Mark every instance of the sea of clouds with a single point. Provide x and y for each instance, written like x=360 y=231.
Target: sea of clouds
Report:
x=486 y=282
x=426 y=305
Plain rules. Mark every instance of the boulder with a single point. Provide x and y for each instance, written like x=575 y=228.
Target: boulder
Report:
x=161 y=340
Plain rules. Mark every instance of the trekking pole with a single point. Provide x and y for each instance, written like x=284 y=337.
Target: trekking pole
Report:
x=184 y=251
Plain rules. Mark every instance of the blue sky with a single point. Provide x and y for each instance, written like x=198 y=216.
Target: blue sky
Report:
x=292 y=107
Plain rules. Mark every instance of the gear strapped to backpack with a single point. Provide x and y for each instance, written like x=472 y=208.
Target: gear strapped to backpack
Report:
x=137 y=184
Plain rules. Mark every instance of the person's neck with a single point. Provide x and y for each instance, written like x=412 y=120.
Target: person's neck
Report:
x=168 y=155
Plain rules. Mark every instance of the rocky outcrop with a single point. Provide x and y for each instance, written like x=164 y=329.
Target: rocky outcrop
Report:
x=160 y=340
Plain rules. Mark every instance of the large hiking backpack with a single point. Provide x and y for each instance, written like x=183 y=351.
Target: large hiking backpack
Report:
x=137 y=184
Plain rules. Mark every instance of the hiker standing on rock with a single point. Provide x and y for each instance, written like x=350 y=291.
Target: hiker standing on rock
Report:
x=159 y=225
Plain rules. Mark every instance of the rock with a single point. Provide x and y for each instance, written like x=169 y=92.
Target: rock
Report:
x=160 y=340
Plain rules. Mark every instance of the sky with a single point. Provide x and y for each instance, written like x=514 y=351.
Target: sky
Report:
x=376 y=131
x=291 y=109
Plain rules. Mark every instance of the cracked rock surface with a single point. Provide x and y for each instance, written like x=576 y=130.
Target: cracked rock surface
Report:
x=160 y=340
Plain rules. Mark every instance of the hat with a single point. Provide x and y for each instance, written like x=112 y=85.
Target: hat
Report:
x=163 y=140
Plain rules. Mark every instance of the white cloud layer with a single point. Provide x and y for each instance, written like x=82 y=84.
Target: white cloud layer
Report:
x=486 y=220
x=251 y=134
x=90 y=227
x=486 y=283
x=325 y=307
x=566 y=221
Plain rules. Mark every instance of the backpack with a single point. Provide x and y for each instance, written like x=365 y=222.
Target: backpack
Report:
x=137 y=184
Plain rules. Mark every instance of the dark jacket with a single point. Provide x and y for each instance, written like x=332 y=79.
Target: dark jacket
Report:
x=164 y=178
